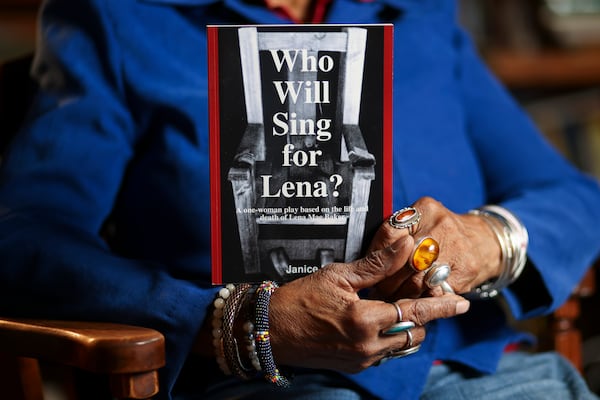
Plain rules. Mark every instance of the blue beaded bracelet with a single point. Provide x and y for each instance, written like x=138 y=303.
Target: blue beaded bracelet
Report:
x=261 y=335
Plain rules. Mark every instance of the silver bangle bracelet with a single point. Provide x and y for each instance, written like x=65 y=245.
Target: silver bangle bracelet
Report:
x=513 y=239
x=492 y=287
x=518 y=236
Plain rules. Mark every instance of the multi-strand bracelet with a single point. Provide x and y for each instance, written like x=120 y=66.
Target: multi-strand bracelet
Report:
x=513 y=239
x=245 y=308
x=230 y=344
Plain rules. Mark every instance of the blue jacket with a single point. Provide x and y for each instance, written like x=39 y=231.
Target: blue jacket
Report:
x=121 y=129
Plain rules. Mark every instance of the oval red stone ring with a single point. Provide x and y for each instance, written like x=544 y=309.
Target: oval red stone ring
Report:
x=406 y=217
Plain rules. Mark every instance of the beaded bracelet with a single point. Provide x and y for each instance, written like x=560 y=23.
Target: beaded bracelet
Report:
x=217 y=326
x=261 y=335
x=230 y=345
x=251 y=346
x=248 y=328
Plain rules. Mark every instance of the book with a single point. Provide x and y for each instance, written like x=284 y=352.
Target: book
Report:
x=300 y=146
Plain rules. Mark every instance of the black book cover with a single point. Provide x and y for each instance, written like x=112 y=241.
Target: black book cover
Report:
x=300 y=146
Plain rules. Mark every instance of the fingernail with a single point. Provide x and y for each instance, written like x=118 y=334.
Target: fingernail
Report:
x=462 y=307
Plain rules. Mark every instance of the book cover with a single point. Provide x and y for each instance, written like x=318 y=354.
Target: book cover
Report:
x=300 y=146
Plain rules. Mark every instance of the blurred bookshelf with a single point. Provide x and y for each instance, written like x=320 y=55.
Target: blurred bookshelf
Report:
x=546 y=68
x=547 y=52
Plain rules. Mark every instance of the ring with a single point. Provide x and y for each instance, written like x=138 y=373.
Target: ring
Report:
x=425 y=253
x=409 y=339
x=399 y=327
x=398 y=354
x=403 y=352
x=398 y=310
x=437 y=275
x=406 y=217
x=447 y=288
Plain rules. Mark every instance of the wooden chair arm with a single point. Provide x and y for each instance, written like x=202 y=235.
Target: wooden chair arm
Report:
x=129 y=355
x=567 y=336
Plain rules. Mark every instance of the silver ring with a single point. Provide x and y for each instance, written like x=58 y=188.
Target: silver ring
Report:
x=398 y=328
x=437 y=275
x=404 y=352
x=398 y=310
x=409 y=339
x=398 y=354
x=406 y=217
x=446 y=287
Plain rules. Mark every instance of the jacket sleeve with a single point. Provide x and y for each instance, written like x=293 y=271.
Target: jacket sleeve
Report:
x=557 y=203
x=59 y=183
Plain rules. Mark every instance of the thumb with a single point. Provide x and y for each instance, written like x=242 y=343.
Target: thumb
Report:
x=377 y=265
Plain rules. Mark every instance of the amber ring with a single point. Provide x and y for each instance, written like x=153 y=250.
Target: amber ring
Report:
x=425 y=253
x=406 y=217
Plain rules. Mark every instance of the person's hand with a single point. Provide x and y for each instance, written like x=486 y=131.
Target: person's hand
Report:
x=320 y=321
x=466 y=243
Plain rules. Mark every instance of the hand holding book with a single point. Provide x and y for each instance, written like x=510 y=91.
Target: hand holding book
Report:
x=320 y=321
x=480 y=246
